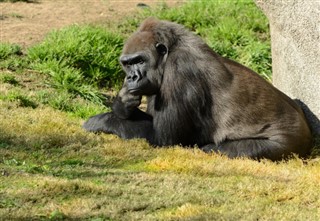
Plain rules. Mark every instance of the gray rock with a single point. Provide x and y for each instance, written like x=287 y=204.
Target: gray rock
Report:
x=295 y=42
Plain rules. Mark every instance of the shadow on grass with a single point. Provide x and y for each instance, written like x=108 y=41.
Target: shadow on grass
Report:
x=63 y=163
x=80 y=155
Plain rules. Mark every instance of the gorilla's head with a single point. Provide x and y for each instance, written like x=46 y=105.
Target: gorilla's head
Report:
x=143 y=59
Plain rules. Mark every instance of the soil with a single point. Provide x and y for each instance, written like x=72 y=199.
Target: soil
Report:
x=27 y=23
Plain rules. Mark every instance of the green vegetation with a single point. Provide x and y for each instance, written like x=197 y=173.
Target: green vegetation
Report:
x=50 y=169
x=92 y=52
x=11 y=57
x=7 y=50
x=7 y=78
x=79 y=60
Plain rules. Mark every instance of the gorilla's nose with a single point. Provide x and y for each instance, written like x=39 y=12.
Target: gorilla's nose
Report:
x=134 y=76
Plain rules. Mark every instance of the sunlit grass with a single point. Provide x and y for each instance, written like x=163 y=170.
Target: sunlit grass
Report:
x=50 y=167
x=79 y=55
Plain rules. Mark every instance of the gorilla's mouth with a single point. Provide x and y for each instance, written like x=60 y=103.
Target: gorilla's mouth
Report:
x=134 y=91
x=141 y=87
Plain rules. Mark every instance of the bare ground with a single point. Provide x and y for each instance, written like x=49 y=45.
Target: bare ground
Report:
x=27 y=23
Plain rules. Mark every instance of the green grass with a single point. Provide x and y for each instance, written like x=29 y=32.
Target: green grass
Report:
x=92 y=51
x=8 y=78
x=31 y=90
x=79 y=60
x=51 y=169
x=11 y=58
x=7 y=50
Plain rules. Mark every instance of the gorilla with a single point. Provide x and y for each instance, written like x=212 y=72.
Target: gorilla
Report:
x=197 y=98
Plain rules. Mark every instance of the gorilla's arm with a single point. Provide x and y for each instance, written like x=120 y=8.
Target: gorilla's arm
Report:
x=138 y=125
x=126 y=120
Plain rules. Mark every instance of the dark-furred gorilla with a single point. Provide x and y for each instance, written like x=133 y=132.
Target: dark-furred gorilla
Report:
x=196 y=97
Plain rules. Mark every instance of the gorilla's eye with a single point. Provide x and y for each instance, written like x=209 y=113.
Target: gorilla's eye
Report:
x=140 y=61
x=137 y=60
x=161 y=49
x=127 y=61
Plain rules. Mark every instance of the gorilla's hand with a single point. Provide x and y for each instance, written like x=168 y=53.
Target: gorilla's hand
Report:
x=129 y=100
x=125 y=103
x=99 y=123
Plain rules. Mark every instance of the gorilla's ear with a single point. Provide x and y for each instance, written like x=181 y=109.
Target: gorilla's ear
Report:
x=161 y=49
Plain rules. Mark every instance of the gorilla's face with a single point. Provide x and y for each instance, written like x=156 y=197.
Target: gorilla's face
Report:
x=143 y=60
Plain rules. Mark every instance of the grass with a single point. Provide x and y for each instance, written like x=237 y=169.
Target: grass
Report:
x=30 y=89
x=79 y=60
x=92 y=51
x=50 y=169
x=7 y=50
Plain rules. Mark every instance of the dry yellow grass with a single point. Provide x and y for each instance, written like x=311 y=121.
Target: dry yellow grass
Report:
x=51 y=169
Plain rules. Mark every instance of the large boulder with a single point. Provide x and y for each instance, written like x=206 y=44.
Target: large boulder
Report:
x=295 y=43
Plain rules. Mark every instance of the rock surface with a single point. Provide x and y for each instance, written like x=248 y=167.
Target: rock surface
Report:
x=295 y=41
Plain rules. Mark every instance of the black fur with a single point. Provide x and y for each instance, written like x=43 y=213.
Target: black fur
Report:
x=196 y=97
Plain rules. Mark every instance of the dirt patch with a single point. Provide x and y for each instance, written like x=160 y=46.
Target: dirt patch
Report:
x=27 y=23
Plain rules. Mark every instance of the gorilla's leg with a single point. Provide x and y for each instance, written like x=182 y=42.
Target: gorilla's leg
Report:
x=139 y=125
x=251 y=148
